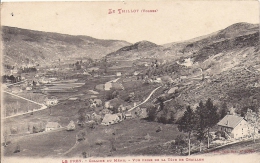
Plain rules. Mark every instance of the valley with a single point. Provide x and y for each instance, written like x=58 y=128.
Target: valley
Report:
x=77 y=96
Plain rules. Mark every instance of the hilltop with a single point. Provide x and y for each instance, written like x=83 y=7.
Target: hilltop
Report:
x=141 y=49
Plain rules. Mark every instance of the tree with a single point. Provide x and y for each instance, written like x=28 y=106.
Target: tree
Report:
x=224 y=110
x=180 y=143
x=81 y=136
x=211 y=116
x=253 y=118
x=161 y=100
x=187 y=123
x=81 y=116
x=17 y=149
x=255 y=122
x=151 y=113
x=200 y=123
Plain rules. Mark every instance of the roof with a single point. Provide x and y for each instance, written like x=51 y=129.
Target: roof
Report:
x=172 y=90
x=109 y=118
x=230 y=121
x=52 y=125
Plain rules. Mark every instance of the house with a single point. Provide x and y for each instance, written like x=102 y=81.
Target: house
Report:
x=172 y=90
x=110 y=119
x=143 y=113
x=128 y=116
x=107 y=86
x=28 y=88
x=71 y=126
x=111 y=104
x=235 y=126
x=119 y=74
x=52 y=126
x=51 y=101
x=136 y=73
x=158 y=80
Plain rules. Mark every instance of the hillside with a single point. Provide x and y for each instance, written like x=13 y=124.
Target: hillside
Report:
x=224 y=66
x=23 y=46
x=142 y=49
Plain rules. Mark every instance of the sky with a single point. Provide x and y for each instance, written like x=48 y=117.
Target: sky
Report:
x=173 y=21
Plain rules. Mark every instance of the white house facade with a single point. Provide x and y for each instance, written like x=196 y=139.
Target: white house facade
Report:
x=236 y=127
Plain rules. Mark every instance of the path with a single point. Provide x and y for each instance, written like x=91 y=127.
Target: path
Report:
x=68 y=151
x=42 y=108
x=145 y=99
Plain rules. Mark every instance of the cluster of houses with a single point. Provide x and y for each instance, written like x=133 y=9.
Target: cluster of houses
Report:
x=105 y=116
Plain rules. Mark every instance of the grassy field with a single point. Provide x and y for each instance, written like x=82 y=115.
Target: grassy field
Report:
x=15 y=105
x=42 y=144
x=128 y=137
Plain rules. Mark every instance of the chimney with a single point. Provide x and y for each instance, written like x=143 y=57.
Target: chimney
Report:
x=228 y=112
x=227 y=122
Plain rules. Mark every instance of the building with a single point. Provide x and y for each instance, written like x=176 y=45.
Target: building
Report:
x=110 y=119
x=28 y=88
x=172 y=90
x=118 y=74
x=136 y=73
x=71 y=126
x=128 y=116
x=235 y=126
x=52 y=126
x=51 y=102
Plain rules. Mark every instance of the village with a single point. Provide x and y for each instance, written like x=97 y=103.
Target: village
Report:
x=101 y=104
x=95 y=86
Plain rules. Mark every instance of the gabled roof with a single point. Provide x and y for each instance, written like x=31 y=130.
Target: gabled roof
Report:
x=230 y=121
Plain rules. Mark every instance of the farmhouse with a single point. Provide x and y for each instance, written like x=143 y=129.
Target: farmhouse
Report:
x=128 y=116
x=118 y=74
x=28 y=88
x=52 y=126
x=51 y=102
x=136 y=73
x=172 y=90
x=110 y=119
x=235 y=126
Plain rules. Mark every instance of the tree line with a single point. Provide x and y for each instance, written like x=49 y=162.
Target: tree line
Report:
x=12 y=78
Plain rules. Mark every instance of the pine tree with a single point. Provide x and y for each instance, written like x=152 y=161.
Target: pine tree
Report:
x=211 y=116
x=187 y=123
x=224 y=110
x=200 y=123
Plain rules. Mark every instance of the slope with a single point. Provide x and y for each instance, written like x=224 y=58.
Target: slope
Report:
x=23 y=46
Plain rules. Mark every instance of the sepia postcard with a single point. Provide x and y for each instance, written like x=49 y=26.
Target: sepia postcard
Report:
x=130 y=82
